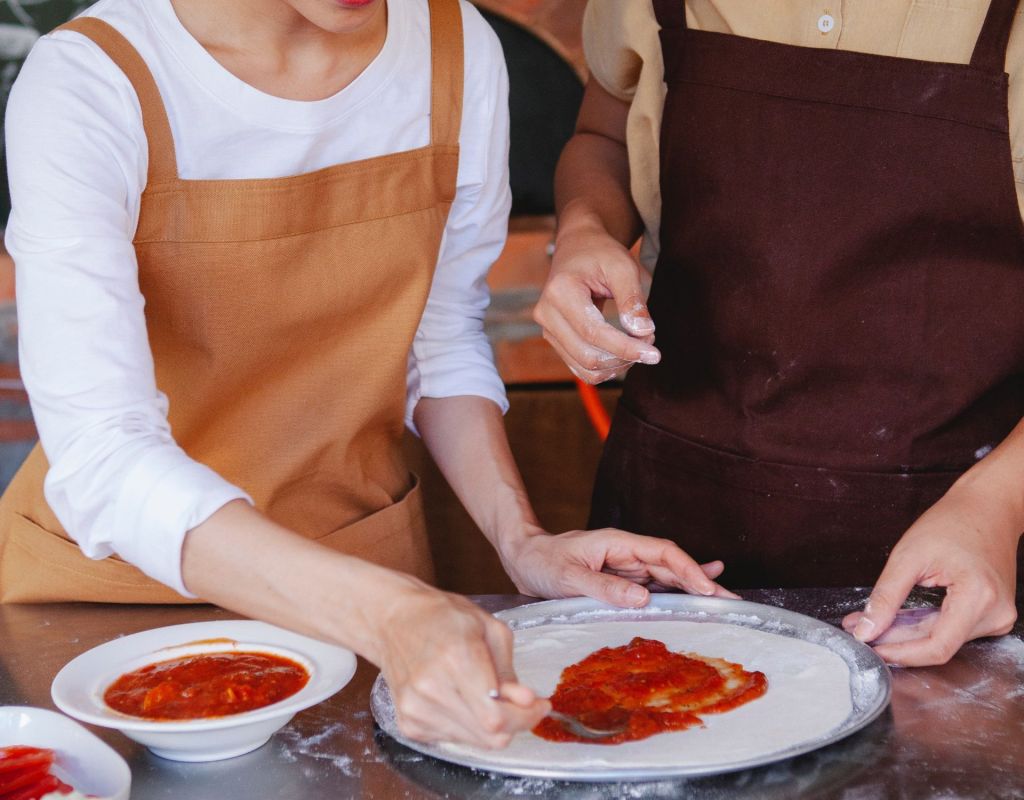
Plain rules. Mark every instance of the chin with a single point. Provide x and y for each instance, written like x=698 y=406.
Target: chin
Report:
x=338 y=16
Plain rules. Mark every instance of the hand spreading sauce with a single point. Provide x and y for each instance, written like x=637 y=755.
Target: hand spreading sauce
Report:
x=649 y=687
x=203 y=686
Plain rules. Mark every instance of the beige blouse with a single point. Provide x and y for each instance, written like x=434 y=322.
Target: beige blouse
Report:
x=624 y=54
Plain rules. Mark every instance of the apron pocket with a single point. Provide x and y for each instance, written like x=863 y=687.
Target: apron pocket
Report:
x=394 y=537
x=772 y=524
x=38 y=566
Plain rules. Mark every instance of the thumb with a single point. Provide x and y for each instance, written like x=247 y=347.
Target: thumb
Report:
x=606 y=588
x=888 y=596
x=623 y=280
x=501 y=642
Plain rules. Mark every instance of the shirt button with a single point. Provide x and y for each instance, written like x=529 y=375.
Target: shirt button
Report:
x=826 y=22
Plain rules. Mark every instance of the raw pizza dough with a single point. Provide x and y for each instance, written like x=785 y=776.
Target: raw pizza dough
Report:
x=808 y=695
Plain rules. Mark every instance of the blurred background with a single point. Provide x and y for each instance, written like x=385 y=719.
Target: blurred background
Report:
x=555 y=443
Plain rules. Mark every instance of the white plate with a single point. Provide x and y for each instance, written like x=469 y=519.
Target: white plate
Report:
x=82 y=760
x=79 y=687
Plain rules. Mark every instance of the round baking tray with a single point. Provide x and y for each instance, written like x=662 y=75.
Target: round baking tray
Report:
x=869 y=679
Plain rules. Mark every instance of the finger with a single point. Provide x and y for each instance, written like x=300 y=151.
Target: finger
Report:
x=682 y=571
x=492 y=721
x=954 y=626
x=592 y=377
x=501 y=642
x=606 y=588
x=581 y=351
x=893 y=586
x=431 y=710
x=582 y=329
x=522 y=696
x=664 y=575
x=596 y=330
x=908 y=625
x=522 y=709
x=623 y=279
x=655 y=587
x=850 y=621
x=636 y=319
x=713 y=569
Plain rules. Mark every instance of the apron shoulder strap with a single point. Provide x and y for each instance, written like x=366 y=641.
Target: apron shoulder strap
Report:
x=990 y=49
x=446 y=67
x=163 y=166
x=670 y=13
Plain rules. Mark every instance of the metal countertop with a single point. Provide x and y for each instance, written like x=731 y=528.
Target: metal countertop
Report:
x=955 y=731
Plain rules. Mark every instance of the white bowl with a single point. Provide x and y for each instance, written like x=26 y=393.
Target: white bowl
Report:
x=79 y=687
x=82 y=760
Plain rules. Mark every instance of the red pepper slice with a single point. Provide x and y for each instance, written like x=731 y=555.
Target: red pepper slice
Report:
x=48 y=784
x=18 y=757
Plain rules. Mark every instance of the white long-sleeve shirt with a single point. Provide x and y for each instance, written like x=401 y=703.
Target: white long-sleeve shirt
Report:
x=77 y=157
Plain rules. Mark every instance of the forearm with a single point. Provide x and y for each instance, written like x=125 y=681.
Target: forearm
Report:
x=466 y=437
x=999 y=476
x=592 y=188
x=243 y=561
x=592 y=185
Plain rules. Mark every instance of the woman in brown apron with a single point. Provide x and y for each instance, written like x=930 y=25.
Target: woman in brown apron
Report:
x=839 y=384
x=280 y=313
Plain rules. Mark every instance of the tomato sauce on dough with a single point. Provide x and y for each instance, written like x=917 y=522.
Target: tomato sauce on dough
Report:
x=648 y=688
x=208 y=685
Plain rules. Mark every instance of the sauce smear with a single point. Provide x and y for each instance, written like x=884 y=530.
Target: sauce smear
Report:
x=649 y=688
x=208 y=685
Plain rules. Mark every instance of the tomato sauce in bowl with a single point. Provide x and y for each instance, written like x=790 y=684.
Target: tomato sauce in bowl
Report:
x=206 y=685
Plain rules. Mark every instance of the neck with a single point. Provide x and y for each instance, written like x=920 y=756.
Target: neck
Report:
x=270 y=45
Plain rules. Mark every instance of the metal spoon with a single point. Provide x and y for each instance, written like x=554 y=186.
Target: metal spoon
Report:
x=579 y=728
x=575 y=726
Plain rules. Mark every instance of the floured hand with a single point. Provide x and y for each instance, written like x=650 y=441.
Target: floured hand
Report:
x=609 y=565
x=966 y=543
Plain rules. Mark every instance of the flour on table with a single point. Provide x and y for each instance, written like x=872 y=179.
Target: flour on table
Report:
x=808 y=695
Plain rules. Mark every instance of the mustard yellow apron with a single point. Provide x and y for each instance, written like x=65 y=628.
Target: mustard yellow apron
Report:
x=280 y=314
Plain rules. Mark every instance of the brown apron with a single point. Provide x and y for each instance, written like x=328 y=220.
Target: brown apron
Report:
x=280 y=315
x=839 y=302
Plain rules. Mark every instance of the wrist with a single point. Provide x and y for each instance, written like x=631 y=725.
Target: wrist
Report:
x=578 y=216
x=1000 y=498
x=510 y=546
x=512 y=523
x=368 y=606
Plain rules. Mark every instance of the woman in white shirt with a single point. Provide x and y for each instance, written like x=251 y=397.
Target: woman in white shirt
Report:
x=251 y=223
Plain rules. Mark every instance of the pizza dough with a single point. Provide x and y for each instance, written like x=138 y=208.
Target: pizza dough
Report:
x=808 y=695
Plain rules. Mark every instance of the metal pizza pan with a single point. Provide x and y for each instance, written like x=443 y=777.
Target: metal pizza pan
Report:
x=870 y=681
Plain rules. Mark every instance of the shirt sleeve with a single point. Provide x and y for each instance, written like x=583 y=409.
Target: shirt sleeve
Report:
x=613 y=57
x=77 y=159
x=451 y=354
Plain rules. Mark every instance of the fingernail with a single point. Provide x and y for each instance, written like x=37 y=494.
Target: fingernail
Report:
x=641 y=326
x=708 y=591
x=636 y=594
x=650 y=357
x=862 y=632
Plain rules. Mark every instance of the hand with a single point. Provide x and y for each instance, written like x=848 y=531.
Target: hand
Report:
x=589 y=266
x=966 y=543
x=442 y=657
x=609 y=565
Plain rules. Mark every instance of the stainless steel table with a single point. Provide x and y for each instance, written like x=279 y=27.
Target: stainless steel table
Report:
x=955 y=731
